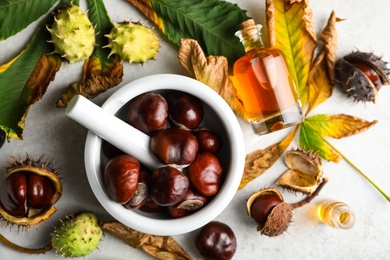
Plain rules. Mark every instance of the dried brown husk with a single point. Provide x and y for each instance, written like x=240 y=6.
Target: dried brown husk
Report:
x=304 y=173
x=280 y=216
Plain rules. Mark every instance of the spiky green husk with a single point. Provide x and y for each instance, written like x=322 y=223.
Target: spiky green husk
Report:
x=133 y=42
x=77 y=236
x=72 y=34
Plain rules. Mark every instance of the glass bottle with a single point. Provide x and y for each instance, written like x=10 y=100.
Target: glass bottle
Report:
x=264 y=84
x=336 y=214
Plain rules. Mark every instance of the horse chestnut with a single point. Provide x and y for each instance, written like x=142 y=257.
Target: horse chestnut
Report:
x=208 y=141
x=121 y=178
x=205 y=174
x=216 y=240
x=29 y=191
x=148 y=112
x=185 y=110
x=174 y=146
x=168 y=186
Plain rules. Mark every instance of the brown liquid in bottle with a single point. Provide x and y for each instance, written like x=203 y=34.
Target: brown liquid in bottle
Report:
x=264 y=86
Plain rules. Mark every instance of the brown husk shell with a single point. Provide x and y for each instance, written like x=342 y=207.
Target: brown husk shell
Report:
x=41 y=167
x=278 y=220
x=304 y=173
x=259 y=193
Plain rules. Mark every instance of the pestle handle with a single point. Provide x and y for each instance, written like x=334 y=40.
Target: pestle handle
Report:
x=112 y=129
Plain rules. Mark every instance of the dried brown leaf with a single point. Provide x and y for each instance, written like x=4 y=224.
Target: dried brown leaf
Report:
x=322 y=72
x=96 y=79
x=211 y=70
x=329 y=37
x=160 y=247
x=257 y=162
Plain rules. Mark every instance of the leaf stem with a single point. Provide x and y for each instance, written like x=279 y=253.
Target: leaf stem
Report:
x=21 y=249
x=360 y=171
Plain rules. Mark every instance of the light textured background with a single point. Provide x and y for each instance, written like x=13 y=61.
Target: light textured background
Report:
x=365 y=27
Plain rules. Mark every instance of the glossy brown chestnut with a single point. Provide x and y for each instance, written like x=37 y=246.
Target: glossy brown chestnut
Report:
x=191 y=202
x=174 y=146
x=205 y=174
x=40 y=191
x=185 y=110
x=216 y=240
x=23 y=191
x=13 y=194
x=208 y=141
x=121 y=178
x=168 y=186
x=148 y=112
x=262 y=207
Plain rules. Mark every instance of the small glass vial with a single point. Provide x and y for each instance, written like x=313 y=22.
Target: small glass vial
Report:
x=336 y=214
x=264 y=84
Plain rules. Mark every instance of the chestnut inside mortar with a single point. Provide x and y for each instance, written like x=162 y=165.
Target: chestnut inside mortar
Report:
x=211 y=121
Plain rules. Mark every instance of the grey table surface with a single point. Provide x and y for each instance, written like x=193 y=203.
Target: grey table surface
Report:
x=48 y=131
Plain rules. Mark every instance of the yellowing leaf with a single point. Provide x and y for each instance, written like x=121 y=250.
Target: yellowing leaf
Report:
x=338 y=126
x=311 y=140
x=211 y=70
x=291 y=29
x=257 y=162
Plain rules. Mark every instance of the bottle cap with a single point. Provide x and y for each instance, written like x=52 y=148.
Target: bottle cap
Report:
x=249 y=27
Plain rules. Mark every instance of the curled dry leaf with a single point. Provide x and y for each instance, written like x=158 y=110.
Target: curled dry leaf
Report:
x=212 y=71
x=160 y=247
x=257 y=162
x=96 y=79
x=322 y=72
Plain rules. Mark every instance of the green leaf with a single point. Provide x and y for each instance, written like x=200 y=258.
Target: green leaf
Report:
x=212 y=23
x=309 y=139
x=24 y=80
x=338 y=126
x=15 y=15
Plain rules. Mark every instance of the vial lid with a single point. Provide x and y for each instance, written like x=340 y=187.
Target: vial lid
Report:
x=249 y=28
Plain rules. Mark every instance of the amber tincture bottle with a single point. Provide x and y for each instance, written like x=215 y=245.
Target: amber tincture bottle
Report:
x=336 y=214
x=264 y=84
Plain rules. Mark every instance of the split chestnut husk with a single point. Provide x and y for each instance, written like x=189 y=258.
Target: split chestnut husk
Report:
x=305 y=171
x=361 y=75
x=29 y=192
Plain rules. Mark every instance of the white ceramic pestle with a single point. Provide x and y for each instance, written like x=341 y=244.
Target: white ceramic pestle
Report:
x=112 y=129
